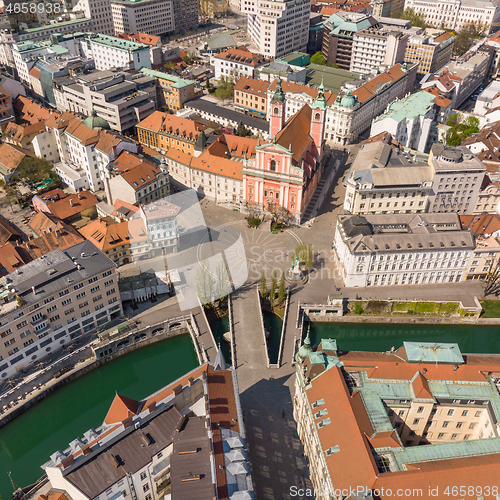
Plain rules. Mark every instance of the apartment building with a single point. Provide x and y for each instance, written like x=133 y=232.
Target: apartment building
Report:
x=278 y=27
x=154 y=43
x=486 y=231
x=237 y=62
x=123 y=242
x=462 y=77
x=119 y=98
x=162 y=131
x=172 y=91
x=401 y=249
x=250 y=96
x=99 y=11
x=488 y=199
x=135 y=180
x=411 y=121
x=110 y=52
x=383 y=179
x=338 y=36
x=186 y=15
x=456 y=14
x=365 y=418
x=155 y=17
x=457 y=180
x=217 y=172
x=190 y=428
x=431 y=49
x=160 y=220
x=25 y=55
x=55 y=299
x=376 y=46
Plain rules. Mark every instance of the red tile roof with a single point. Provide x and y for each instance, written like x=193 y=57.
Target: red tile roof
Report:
x=171 y=124
x=252 y=86
x=241 y=55
x=481 y=224
x=12 y=257
x=141 y=175
x=8 y=232
x=140 y=38
x=295 y=133
x=73 y=204
x=121 y=408
x=222 y=404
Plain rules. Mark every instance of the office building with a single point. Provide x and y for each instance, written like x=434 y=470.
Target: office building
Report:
x=384 y=179
x=458 y=176
x=431 y=49
x=455 y=15
x=411 y=121
x=186 y=15
x=99 y=11
x=186 y=440
x=395 y=421
x=55 y=299
x=155 y=17
x=43 y=32
x=401 y=249
x=278 y=27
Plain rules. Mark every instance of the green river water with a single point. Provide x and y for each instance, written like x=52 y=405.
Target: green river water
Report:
x=30 y=439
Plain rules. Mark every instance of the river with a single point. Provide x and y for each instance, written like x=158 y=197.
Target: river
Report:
x=30 y=439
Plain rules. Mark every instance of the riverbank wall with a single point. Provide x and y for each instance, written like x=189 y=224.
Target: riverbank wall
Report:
x=94 y=362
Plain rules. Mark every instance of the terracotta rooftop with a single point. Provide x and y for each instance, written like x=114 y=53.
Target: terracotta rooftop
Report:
x=140 y=38
x=8 y=232
x=120 y=409
x=179 y=156
x=127 y=161
x=228 y=146
x=107 y=235
x=241 y=55
x=252 y=86
x=370 y=88
x=141 y=175
x=11 y=156
x=170 y=124
x=31 y=111
x=73 y=204
x=295 y=133
x=217 y=165
x=109 y=140
x=60 y=121
x=79 y=131
x=12 y=257
x=222 y=405
x=19 y=132
x=481 y=224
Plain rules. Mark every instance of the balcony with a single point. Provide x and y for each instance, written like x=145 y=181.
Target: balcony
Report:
x=38 y=321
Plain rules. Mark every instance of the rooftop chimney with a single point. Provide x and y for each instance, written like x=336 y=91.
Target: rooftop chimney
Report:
x=71 y=202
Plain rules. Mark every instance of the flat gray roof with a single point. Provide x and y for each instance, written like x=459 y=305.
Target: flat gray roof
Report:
x=58 y=270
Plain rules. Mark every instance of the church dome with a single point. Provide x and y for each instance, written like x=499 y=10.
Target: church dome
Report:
x=94 y=121
x=348 y=101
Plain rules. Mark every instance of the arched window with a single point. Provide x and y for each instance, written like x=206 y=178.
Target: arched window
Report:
x=276 y=111
x=317 y=117
x=273 y=166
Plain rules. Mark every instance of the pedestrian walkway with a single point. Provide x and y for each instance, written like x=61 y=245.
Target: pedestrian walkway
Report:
x=249 y=342
x=205 y=339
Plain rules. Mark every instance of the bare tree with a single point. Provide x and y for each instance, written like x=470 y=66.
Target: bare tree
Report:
x=493 y=277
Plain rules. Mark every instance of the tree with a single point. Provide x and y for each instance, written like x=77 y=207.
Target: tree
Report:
x=35 y=169
x=207 y=83
x=263 y=285
x=493 y=277
x=241 y=130
x=318 y=58
x=304 y=253
x=283 y=216
x=170 y=65
x=222 y=284
x=466 y=37
x=416 y=18
x=204 y=285
x=225 y=89
x=461 y=128
x=282 y=289
x=272 y=293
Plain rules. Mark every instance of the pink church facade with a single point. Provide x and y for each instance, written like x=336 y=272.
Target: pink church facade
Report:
x=286 y=170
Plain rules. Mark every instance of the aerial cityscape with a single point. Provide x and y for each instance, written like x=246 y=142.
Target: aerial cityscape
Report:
x=249 y=249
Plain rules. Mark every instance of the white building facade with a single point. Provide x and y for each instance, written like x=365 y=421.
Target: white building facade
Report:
x=278 y=27
x=402 y=249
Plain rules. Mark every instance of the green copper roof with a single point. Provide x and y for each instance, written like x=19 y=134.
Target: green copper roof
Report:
x=119 y=43
x=278 y=96
x=433 y=352
x=320 y=101
x=94 y=121
x=177 y=81
x=410 y=107
x=329 y=344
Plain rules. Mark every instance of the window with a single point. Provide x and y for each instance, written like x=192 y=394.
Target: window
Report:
x=416 y=421
x=446 y=424
x=64 y=292
x=143 y=476
x=454 y=436
x=145 y=487
x=465 y=413
x=272 y=166
x=466 y=437
x=420 y=409
x=401 y=413
x=459 y=425
x=81 y=295
x=472 y=426
x=451 y=412
x=441 y=435
x=95 y=289
x=66 y=302
x=478 y=413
